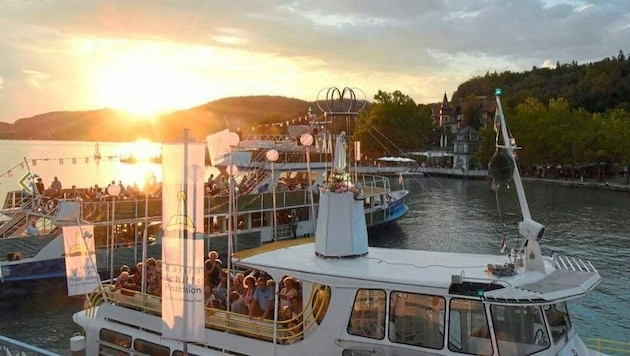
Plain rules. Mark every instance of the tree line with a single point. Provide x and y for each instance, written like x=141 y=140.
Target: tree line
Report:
x=570 y=115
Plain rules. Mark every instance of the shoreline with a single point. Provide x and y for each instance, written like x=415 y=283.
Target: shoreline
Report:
x=615 y=184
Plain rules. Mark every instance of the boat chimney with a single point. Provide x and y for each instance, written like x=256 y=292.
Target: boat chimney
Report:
x=341 y=228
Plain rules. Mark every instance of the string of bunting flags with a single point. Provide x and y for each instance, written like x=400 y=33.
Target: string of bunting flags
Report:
x=300 y=120
x=9 y=173
x=22 y=166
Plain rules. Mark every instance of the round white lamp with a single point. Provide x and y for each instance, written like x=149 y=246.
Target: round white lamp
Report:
x=272 y=155
x=306 y=139
x=113 y=190
x=233 y=139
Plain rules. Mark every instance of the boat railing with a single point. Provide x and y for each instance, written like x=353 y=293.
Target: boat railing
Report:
x=283 y=331
x=572 y=264
x=10 y=346
x=24 y=209
x=374 y=182
x=126 y=209
x=608 y=347
x=258 y=202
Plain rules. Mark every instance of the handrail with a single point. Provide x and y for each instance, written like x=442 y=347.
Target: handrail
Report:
x=611 y=347
x=10 y=346
x=217 y=319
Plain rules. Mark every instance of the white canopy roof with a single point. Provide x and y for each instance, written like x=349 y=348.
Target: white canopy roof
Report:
x=396 y=159
x=433 y=154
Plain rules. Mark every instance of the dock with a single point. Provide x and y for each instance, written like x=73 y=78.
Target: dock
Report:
x=429 y=171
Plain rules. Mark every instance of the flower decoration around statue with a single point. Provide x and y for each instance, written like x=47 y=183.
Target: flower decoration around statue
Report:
x=340 y=183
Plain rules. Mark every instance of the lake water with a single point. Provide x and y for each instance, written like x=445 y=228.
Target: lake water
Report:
x=445 y=215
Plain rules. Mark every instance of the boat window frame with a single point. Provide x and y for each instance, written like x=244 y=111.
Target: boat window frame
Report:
x=564 y=328
x=478 y=337
x=508 y=341
x=104 y=334
x=373 y=326
x=181 y=353
x=431 y=308
x=164 y=350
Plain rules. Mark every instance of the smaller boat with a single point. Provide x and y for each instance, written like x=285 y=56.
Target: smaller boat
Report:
x=276 y=201
x=97 y=151
x=132 y=159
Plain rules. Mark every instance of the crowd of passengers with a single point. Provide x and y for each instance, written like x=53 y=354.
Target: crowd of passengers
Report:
x=213 y=187
x=220 y=185
x=252 y=293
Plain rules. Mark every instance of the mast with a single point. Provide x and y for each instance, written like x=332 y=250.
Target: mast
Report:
x=528 y=228
x=509 y=144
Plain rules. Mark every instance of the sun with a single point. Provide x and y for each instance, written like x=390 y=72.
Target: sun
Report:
x=147 y=79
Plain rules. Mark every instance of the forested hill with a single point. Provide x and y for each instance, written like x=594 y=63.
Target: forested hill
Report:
x=596 y=87
x=112 y=125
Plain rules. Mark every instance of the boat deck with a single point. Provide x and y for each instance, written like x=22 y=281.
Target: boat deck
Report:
x=421 y=269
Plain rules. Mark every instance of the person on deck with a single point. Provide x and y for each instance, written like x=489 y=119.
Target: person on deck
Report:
x=243 y=304
x=287 y=292
x=294 y=224
x=263 y=299
x=32 y=229
x=56 y=184
x=213 y=267
x=40 y=186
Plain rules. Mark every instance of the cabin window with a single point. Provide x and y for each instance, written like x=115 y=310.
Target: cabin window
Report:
x=180 y=353
x=115 y=338
x=348 y=352
x=257 y=220
x=114 y=343
x=468 y=328
x=368 y=314
x=558 y=319
x=416 y=319
x=150 y=348
x=519 y=329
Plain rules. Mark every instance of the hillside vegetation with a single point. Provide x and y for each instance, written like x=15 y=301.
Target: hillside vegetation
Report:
x=595 y=87
x=117 y=126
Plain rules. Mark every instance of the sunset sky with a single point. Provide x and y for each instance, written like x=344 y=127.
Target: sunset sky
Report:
x=146 y=56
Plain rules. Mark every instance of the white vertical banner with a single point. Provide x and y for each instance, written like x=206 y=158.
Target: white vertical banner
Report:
x=82 y=275
x=182 y=244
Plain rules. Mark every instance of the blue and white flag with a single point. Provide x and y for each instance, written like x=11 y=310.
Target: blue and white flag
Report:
x=182 y=244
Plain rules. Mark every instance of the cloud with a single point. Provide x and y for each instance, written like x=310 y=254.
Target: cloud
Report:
x=35 y=79
x=424 y=48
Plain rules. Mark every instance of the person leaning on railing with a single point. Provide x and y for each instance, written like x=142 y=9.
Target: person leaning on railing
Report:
x=263 y=300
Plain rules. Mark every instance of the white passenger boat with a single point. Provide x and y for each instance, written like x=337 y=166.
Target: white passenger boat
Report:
x=357 y=300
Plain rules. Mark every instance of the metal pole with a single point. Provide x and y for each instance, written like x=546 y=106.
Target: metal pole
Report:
x=111 y=275
x=274 y=221
x=145 y=238
x=310 y=187
x=230 y=210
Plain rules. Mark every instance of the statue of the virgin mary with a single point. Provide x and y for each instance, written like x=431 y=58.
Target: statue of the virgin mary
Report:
x=339 y=161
